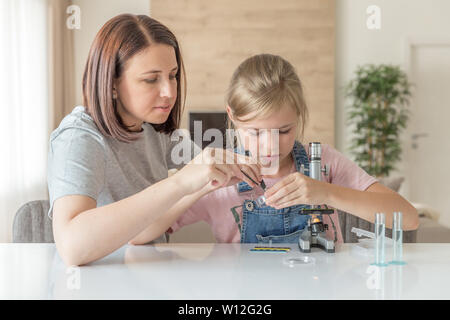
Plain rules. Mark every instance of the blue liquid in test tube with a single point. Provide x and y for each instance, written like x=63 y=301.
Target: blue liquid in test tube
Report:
x=397 y=238
x=380 y=231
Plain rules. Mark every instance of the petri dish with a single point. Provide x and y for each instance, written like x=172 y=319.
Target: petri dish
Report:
x=298 y=260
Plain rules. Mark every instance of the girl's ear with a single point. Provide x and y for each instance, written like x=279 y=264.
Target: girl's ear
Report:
x=230 y=113
x=297 y=132
x=235 y=139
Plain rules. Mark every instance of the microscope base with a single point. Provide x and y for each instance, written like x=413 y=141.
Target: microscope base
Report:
x=307 y=240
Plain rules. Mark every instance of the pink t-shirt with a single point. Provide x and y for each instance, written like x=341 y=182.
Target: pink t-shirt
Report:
x=215 y=207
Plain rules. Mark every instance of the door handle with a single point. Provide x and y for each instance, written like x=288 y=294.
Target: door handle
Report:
x=415 y=137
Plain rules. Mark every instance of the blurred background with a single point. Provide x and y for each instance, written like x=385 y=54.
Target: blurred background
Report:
x=44 y=46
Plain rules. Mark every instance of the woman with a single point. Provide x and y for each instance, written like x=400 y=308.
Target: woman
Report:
x=109 y=159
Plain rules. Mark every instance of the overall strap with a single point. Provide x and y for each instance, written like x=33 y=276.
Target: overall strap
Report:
x=242 y=186
x=300 y=156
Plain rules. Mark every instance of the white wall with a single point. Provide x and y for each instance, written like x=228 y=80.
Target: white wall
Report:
x=94 y=14
x=357 y=45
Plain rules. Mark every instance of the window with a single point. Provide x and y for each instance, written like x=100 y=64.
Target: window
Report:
x=23 y=106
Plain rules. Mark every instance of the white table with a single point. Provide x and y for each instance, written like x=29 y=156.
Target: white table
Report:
x=223 y=271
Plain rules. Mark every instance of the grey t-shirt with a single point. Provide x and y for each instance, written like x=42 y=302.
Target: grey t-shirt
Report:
x=82 y=161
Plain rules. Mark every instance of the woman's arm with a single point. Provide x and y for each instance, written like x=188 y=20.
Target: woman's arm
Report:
x=161 y=225
x=84 y=233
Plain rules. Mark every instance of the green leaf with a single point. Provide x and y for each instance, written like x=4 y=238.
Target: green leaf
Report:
x=379 y=98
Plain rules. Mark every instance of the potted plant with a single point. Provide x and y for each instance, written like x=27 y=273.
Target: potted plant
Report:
x=380 y=97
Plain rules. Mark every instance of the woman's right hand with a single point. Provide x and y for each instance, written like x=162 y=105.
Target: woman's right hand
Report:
x=214 y=168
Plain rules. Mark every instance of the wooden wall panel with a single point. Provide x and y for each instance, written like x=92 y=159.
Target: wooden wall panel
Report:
x=216 y=35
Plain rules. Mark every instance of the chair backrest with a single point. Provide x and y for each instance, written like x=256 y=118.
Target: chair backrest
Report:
x=347 y=221
x=32 y=224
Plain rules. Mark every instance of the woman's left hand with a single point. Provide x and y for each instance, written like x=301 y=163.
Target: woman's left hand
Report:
x=297 y=189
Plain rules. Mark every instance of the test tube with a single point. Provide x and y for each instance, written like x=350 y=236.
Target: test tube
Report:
x=380 y=230
x=397 y=238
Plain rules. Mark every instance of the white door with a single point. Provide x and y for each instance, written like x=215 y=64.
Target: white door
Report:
x=427 y=144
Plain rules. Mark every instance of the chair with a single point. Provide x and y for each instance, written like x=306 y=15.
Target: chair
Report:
x=32 y=224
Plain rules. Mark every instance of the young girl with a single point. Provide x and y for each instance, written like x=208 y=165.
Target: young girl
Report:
x=265 y=93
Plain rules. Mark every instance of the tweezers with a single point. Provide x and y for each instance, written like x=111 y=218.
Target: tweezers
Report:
x=261 y=184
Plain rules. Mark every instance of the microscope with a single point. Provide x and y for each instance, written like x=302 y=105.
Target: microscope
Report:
x=314 y=235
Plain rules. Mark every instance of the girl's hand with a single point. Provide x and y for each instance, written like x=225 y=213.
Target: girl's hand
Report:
x=296 y=189
x=215 y=168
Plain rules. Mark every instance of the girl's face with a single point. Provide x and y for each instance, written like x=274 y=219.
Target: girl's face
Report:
x=147 y=89
x=263 y=143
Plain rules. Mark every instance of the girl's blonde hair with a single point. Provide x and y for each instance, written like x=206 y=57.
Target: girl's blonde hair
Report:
x=265 y=83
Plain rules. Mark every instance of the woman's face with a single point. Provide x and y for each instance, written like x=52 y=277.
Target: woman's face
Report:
x=147 y=89
x=262 y=141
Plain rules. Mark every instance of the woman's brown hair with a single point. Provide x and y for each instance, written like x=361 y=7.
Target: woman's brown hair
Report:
x=117 y=41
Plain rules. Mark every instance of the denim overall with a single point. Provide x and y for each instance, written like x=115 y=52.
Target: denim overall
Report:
x=269 y=225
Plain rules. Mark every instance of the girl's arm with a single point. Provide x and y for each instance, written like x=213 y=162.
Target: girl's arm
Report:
x=300 y=189
x=376 y=198
x=161 y=225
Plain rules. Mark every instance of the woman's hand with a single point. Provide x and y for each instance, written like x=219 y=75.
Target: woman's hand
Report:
x=214 y=168
x=297 y=189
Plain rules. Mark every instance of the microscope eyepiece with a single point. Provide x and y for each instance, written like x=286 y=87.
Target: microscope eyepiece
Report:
x=315 y=150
